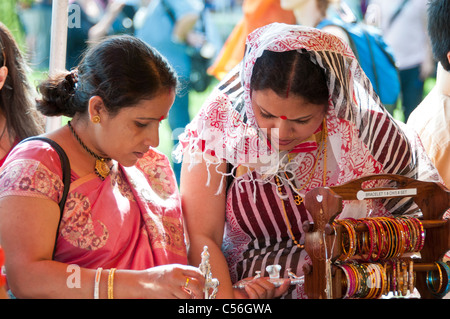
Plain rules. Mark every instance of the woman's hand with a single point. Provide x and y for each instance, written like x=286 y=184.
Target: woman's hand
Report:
x=261 y=288
x=174 y=281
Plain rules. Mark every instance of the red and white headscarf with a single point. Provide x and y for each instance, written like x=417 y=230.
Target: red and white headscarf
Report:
x=362 y=136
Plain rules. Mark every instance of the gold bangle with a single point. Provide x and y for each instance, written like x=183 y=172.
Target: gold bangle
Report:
x=111 y=283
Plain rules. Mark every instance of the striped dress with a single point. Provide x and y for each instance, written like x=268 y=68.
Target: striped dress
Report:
x=257 y=233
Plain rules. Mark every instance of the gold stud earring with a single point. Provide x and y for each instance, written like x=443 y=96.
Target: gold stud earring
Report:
x=96 y=119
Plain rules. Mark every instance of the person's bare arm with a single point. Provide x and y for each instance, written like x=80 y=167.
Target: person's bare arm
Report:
x=27 y=235
x=204 y=212
x=100 y=29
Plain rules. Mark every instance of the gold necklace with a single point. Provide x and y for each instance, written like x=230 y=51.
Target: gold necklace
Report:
x=101 y=167
x=323 y=143
x=286 y=219
x=298 y=199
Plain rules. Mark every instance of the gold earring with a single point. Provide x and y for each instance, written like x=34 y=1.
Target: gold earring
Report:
x=96 y=119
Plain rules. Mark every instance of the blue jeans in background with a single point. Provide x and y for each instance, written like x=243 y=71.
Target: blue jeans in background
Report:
x=412 y=89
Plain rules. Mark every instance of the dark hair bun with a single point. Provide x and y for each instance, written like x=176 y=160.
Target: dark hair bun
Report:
x=57 y=93
x=122 y=70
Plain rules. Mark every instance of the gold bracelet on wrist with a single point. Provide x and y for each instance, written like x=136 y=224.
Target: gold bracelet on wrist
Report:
x=111 y=283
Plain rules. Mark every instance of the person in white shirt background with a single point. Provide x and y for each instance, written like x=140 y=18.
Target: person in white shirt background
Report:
x=404 y=27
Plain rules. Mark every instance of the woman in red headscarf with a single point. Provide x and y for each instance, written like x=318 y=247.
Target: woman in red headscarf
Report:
x=296 y=114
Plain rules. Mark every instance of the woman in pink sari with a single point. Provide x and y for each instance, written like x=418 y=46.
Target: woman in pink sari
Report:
x=121 y=232
x=296 y=114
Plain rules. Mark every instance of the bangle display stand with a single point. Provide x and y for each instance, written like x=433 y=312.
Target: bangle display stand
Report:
x=324 y=279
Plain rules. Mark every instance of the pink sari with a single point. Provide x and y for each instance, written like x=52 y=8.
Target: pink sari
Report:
x=131 y=220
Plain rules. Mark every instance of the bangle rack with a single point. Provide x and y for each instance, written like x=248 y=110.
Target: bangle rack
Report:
x=325 y=278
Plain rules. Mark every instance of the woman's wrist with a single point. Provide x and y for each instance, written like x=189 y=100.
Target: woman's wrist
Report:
x=123 y=284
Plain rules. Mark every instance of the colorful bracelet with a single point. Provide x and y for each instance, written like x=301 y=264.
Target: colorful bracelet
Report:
x=111 y=283
x=447 y=273
x=430 y=280
x=349 y=225
x=372 y=238
x=98 y=275
x=382 y=240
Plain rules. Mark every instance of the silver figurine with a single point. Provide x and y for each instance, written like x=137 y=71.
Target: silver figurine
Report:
x=210 y=283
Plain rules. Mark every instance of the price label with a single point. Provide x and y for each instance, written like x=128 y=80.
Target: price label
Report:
x=387 y=193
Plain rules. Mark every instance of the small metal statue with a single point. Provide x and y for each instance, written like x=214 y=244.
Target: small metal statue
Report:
x=274 y=277
x=210 y=283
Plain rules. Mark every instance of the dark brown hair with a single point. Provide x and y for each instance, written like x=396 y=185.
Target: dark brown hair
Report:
x=290 y=72
x=122 y=70
x=17 y=95
x=439 y=30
